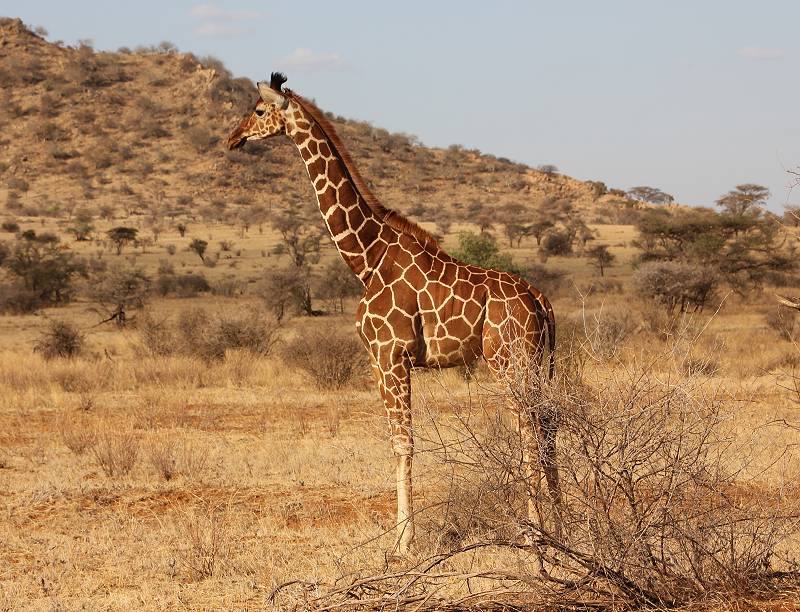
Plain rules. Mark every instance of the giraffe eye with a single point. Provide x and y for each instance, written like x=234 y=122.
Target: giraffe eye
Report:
x=260 y=112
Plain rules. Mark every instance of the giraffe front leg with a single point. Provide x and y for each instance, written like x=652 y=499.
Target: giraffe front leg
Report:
x=394 y=379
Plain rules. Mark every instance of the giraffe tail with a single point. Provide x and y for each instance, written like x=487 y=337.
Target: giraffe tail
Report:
x=551 y=336
x=551 y=328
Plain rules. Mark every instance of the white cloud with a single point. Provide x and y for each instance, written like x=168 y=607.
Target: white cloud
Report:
x=220 y=23
x=761 y=53
x=306 y=60
x=209 y=11
x=212 y=29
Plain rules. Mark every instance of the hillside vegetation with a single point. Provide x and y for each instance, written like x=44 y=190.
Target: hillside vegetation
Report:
x=141 y=132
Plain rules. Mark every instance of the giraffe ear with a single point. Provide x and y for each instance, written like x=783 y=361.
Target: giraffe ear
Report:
x=270 y=96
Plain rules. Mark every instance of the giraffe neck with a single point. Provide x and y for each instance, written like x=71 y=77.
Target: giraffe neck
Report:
x=358 y=232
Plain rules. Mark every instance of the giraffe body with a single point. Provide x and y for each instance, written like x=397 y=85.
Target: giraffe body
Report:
x=421 y=307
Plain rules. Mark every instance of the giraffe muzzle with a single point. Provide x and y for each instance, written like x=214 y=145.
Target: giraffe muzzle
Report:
x=235 y=141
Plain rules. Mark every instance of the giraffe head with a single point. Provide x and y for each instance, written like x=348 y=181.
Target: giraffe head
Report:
x=268 y=117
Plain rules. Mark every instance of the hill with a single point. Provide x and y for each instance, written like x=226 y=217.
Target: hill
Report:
x=141 y=132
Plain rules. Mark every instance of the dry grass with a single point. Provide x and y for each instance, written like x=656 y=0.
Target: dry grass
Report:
x=248 y=476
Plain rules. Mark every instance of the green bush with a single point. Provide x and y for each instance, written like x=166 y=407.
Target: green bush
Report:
x=482 y=250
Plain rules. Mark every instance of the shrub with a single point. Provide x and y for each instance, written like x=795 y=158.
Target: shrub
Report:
x=557 y=243
x=182 y=285
x=10 y=226
x=16 y=183
x=329 y=355
x=171 y=456
x=606 y=330
x=60 y=340
x=120 y=285
x=199 y=246
x=338 y=283
x=482 y=250
x=547 y=280
x=197 y=332
x=17 y=299
x=676 y=286
x=77 y=434
x=286 y=291
x=229 y=287
x=116 y=451
x=784 y=321
x=248 y=330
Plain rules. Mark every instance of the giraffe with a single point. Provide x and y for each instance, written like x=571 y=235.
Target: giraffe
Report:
x=421 y=307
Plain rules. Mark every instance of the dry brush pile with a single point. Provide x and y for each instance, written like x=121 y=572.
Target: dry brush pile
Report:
x=663 y=505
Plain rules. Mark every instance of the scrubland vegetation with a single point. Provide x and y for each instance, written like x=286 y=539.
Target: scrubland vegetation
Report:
x=189 y=419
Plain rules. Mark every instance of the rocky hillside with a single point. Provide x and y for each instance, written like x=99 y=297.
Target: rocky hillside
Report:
x=141 y=132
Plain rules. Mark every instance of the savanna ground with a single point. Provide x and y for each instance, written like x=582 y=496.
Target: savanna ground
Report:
x=244 y=475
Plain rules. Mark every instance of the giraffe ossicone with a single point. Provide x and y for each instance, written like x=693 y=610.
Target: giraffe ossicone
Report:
x=421 y=307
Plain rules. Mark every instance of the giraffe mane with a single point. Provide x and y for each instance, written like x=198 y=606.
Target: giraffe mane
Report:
x=391 y=217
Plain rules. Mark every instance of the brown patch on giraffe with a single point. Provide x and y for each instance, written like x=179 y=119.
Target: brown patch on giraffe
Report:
x=355 y=217
x=306 y=154
x=335 y=172
x=415 y=277
x=347 y=195
x=349 y=242
x=371 y=228
x=317 y=168
x=316 y=132
x=472 y=311
x=401 y=258
x=459 y=328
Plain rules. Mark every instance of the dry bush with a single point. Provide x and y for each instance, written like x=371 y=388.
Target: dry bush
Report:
x=15 y=298
x=197 y=332
x=328 y=354
x=605 y=330
x=60 y=340
x=547 y=279
x=78 y=434
x=172 y=454
x=116 y=450
x=205 y=536
x=675 y=285
x=784 y=321
x=658 y=505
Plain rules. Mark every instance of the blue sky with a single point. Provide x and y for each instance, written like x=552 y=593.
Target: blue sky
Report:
x=693 y=97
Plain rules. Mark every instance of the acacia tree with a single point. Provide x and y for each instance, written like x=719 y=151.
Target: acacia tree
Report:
x=337 y=284
x=119 y=289
x=82 y=225
x=652 y=195
x=301 y=237
x=600 y=257
x=742 y=244
x=46 y=270
x=748 y=198
x=199 y=246
x=121 y=236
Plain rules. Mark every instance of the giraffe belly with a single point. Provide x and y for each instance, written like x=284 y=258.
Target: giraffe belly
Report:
x=448 y=352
